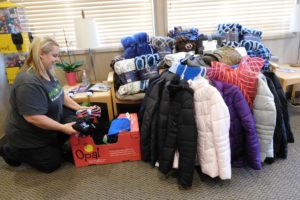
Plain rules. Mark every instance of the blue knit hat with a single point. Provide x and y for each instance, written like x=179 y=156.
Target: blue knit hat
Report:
x=119 y=124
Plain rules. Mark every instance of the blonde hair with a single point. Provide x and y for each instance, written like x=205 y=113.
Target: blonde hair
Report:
x=38 y=46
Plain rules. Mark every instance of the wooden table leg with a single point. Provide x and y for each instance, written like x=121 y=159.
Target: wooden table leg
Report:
x=294 y=91
x=110 y=110
x=283 y=86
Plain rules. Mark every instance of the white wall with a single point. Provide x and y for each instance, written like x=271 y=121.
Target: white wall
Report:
x=285 y=49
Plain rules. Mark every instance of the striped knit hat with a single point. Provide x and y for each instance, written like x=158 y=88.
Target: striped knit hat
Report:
x=95 y=111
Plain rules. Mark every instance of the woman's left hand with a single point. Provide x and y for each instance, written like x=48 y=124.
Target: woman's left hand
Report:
x=86 y=107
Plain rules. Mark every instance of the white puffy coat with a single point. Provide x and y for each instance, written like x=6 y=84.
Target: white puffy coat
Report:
x=264 y=112
x=213 y=123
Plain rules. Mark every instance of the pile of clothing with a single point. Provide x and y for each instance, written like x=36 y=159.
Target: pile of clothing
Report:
x=141 y=61
x=222 y=116
x=212 y=110
x=133 y=74
x=236 y=35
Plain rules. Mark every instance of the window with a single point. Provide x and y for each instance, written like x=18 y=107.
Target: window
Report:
x=114 y=18
x=271 y=17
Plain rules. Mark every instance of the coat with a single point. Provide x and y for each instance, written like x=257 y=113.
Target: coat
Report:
x=284 y=104
x=213 y=123
x=181 y=133
x=244 y=75
x=148 y=117
x=167 y=115
x=264 y=112
x=243 y=137
x=280 y=142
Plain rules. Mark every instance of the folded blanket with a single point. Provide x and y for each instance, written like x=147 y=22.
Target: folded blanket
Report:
x=133 y=88
x=251 y=34
x=230 y=44
x=230 y=34
x=262 y=53
x=189 y=33
x=147 y=66
x=230 y=27
x=115 y=59
x=129 y=45
x=123 y=66
x=126 y=70
x=251 y=44
x=136 y=45
x=143 y=46
x=162 y=45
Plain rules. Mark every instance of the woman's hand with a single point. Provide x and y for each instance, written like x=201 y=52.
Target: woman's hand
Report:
x=84 y=107
x=68 y=129
x=87 y=107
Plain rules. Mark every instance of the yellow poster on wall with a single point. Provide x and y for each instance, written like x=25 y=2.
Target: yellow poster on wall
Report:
x=8 y=46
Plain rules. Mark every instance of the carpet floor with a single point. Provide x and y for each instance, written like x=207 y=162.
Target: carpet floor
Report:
x=138 y=180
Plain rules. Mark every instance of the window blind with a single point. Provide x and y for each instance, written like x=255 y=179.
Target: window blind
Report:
x=271 y=17
x=114 y=18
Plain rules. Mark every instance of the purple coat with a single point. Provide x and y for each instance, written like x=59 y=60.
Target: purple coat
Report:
x=244 y=142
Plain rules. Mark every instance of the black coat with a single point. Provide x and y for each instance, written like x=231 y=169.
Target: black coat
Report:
x=280 y=137
x=163 y=113
x=149 y=118
x=147 y=110
x=168 y=124
x=181 y=133
x=284 y=104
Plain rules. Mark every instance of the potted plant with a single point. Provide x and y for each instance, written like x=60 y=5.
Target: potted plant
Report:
x=70 y=68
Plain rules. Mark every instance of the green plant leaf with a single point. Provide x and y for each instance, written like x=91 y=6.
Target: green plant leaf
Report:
x=69 y=67
x=60 y=65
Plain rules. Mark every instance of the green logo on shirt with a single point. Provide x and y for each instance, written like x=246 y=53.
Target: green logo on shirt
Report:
x=55 y=92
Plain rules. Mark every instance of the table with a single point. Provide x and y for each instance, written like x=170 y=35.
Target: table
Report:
x=97 y=97
x=287 y=78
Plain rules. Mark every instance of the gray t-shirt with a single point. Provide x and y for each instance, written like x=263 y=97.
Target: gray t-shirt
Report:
x=32 y=95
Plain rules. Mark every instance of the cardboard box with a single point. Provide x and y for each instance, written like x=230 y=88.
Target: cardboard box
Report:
x=85 y=152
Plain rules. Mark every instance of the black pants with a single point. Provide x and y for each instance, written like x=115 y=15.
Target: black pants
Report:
x=45 y=159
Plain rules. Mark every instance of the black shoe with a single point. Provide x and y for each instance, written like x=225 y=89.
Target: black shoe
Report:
x=269 y=160
x=68 y=157
x=8 y=160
